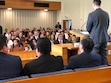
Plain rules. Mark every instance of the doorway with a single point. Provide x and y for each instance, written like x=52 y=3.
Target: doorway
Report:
x=67 y=24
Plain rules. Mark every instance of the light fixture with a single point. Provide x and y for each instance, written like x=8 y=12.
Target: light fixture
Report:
x=45 y=10
x=9 y=9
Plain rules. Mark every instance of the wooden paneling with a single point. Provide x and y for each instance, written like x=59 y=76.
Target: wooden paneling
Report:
x=55 y=5
x=62 y=51
x=57 y=50
x=26 y=4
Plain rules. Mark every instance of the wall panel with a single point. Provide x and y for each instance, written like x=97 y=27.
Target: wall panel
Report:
x=27 y=18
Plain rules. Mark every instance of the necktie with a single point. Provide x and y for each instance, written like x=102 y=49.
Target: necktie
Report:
x=61 y=42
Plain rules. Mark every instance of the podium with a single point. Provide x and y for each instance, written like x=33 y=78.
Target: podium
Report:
x=79 y=33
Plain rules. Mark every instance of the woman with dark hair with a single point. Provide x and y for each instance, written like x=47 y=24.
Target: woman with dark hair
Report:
x=17 y=46
x=21 y=37
x=52 y=38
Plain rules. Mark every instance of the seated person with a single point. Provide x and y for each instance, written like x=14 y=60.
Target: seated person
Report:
x=73 y=39
x=60 y=40
x=110 y=37
x=86 y=58
x=10 y=66
x=33 y=43
x=57 y=26
x=17 y=46
x=45 y=61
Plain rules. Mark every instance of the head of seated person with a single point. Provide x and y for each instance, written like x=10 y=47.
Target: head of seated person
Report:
x=86 y=58
x=43 y=46
x=3 y=44
x=86 y=45
x=60 y=39
x=44 y=62
x=17 y=46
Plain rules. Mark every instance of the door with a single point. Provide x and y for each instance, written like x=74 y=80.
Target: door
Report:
x=67 y=24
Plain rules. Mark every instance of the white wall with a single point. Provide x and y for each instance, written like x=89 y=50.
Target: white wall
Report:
x=71 y=10
x=78 y=11
x=105 y=5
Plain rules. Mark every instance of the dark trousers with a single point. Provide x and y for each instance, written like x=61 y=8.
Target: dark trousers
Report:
x=101 y=48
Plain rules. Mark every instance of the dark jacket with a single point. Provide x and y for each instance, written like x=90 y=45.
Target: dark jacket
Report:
x=57 y=41
x=0 y=29
x=84 y=60
x=10 y=66
x=45 y=63
x=97 y=26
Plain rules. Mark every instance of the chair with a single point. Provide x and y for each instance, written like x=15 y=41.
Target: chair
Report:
x=80 y=69
x=51 y=73
x=12 y=79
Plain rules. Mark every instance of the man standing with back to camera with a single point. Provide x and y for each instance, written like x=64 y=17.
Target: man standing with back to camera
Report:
x=97 y=26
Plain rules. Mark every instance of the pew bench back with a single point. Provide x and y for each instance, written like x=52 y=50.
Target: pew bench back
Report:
x=98 y=75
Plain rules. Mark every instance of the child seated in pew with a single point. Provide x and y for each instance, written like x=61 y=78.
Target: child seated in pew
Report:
x=86 y=58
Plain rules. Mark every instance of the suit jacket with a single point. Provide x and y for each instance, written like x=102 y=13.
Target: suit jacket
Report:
x=97 y=25
x=84 y=60
x=10 y=66
x=58 y=26
x=0 y=29
x=57 y=41
x=45 y=63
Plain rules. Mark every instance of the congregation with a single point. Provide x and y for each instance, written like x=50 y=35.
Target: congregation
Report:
x=25 y=39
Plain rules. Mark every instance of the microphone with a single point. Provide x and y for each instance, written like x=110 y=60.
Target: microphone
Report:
x=83 y=25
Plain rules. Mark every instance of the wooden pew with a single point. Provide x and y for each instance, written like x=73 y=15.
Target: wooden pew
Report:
x=66 y=50
x=62 y=51
x=26 y=56
x=98 y=75
x=57 y=49
x=109 y=53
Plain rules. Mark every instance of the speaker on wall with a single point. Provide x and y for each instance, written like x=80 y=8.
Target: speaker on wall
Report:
x=41 y=4
x=2 y=2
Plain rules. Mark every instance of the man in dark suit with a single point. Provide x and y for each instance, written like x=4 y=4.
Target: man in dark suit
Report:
x=86 y=58
x=57 y=26
x=97 y=26
x=36 y=34
x=10 y=66
x=0 y=29
x=45 y=61
x=60 y=39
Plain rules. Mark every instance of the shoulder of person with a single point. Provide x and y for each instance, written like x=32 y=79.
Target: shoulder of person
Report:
x=75 y=56
x=15 y=57
x=29 y=64
x=58 y=57
x=96 y=54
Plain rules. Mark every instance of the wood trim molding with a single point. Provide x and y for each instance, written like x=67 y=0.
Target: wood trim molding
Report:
x=27 y=4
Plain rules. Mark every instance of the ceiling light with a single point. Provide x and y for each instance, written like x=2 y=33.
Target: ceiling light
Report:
x=45 y=10
x=9 y=9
